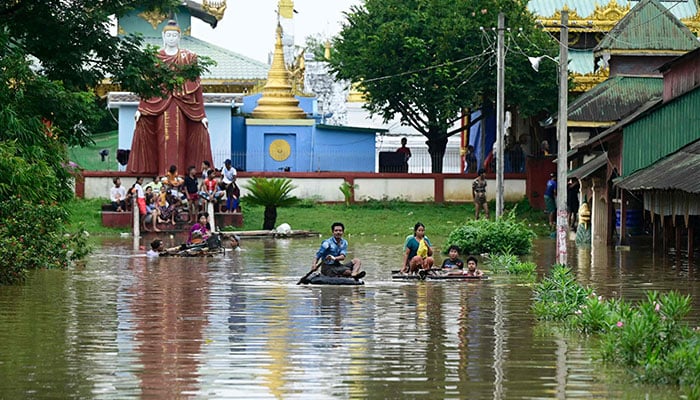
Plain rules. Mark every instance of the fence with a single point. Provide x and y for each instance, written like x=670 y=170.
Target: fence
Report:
x=344 y=160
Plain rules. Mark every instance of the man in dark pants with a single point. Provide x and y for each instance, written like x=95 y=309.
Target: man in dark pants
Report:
x=333 y=252
x=550 y=198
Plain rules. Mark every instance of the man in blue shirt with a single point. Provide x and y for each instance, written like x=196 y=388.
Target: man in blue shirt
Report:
x=550 y=198
x=333 y=252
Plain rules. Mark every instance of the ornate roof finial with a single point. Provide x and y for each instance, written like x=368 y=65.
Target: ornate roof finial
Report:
x=285 y=8
x=215 y=8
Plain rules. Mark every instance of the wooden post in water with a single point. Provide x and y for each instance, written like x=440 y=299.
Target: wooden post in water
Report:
x=212 y=220
x=691 y=238
x=136 y=228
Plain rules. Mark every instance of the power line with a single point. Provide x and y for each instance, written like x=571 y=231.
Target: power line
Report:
x=483 y=53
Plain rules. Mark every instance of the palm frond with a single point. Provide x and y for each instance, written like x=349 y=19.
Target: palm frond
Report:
x=270 y=192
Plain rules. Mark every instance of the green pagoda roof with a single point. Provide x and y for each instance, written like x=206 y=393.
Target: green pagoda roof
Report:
x=647 y=28
x=230 y=65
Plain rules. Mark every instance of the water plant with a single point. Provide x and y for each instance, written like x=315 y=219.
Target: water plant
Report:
x=510 y=264
x=500 y=236
x=651 y=339
x=655 y=329
x=559 y=295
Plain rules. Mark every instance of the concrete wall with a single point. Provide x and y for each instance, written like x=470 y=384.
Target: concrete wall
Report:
x=325 y=186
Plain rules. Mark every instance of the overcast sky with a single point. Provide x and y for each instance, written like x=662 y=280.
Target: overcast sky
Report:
x=248 y=26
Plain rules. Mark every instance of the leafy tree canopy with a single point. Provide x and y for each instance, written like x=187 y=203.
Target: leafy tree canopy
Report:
x=427 y=60
x=52 y=54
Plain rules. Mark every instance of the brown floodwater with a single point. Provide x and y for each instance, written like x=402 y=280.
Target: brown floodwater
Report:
x=237 y=326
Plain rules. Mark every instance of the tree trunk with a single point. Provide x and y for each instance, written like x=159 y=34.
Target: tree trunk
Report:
x=436 y=149
x=270 y=217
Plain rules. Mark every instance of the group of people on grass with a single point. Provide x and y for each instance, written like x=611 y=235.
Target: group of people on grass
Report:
x=332 y=257
x=160 y=200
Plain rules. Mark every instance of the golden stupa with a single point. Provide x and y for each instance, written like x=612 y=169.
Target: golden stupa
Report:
x=278 y=101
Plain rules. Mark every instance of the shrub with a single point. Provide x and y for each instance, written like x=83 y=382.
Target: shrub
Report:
x=558 y=296
x=510 y=264
x=348 y=191
x=504 y=235
x=32 y=236
x=651 y=339
x=654 y=330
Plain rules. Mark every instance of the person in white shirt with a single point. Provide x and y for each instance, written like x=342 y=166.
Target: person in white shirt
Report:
x=229 y=179
x=156 y=248
x=117 y=195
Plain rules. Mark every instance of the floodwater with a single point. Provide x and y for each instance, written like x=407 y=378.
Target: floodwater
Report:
x=237 y=326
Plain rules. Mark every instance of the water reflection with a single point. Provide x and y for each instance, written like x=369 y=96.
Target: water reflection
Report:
x=238 y=326
x=168 y=304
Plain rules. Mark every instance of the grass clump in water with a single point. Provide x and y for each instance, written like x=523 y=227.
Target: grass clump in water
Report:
x=650 y=339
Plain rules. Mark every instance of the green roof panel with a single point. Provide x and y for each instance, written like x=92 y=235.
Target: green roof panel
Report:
x=585 y=8
x=615 y=98
x=649 y=26
x=230 y=65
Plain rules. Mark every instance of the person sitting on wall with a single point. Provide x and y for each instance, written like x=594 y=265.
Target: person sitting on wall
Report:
x=117 y=195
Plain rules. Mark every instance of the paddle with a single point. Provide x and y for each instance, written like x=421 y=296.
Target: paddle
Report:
x=304 y=278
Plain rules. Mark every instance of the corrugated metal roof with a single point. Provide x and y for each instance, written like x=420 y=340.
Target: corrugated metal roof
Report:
x=649 y=26
x=230 y=65
x=585 y=8
x=581 y=61
x=590 y=167
x=678 y=171
x=615 y=98
x=641 y=110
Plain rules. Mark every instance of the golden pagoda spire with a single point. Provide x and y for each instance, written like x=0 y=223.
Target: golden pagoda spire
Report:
x=327 y=50
x=277 y=101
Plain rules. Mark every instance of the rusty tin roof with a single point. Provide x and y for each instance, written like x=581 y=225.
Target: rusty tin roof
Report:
x=614 y=99
x=677 y=171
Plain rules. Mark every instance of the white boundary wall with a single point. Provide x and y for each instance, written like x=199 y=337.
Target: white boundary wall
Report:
x=412 y=188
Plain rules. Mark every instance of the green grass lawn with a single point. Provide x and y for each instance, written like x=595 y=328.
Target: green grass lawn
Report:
x=89 y=157
x=377 y=218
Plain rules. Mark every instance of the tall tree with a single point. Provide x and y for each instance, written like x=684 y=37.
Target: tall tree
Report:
x=52 y=54
x=428 y=60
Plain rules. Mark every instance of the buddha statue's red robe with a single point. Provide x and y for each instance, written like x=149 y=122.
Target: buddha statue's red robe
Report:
x=170 y=129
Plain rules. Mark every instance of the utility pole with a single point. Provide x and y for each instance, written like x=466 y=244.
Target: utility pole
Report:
x=500 y=114
x=562 y=139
